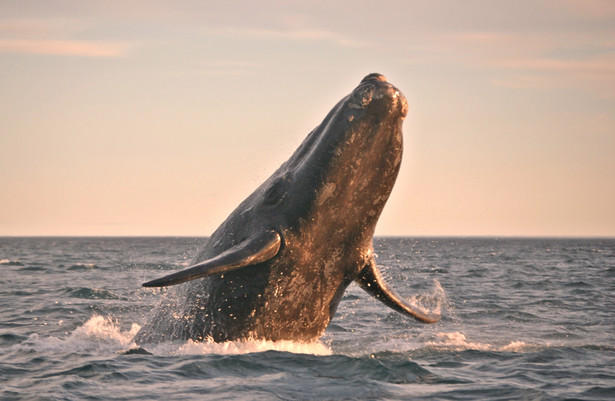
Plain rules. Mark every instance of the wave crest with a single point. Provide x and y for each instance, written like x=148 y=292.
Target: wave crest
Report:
x=105 y=334
x=250 y=346
x=458 y=341
x=10 y=262
x=100 y=334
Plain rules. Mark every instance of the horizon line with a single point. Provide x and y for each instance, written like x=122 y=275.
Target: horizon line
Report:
x=485 y=236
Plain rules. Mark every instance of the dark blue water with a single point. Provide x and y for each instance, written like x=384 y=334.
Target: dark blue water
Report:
x=522 y=319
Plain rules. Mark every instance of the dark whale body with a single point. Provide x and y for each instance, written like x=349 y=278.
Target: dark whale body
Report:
x=277 y=268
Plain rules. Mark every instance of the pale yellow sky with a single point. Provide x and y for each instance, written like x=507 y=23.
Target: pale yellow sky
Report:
x=158 y=118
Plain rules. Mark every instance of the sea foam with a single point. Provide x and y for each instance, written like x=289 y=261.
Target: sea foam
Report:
x=458 y=341
x=101 y=334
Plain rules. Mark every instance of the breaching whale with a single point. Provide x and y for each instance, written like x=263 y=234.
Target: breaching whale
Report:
x=277 y=267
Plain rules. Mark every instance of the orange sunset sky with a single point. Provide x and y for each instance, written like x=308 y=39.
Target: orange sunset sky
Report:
x=158 y=118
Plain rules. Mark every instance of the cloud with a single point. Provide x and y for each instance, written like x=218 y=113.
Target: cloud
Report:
x=37 y=28
x=594 y=74
x=54 y=36
x=596 y=65
x=596 y=9
x=526 y=60
x=296 y=34
x=223 y=68
x=64 y=47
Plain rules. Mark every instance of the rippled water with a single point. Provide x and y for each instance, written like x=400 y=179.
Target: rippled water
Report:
x=522 y=319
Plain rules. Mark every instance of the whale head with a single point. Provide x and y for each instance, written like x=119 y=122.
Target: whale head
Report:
x=337 y=182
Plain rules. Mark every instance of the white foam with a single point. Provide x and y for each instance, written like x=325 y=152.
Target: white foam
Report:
x=242 y=347
x=10 y=262
x=100 y=334
x=516 y=346
x=455 y=340
x=459 y=342
x=104 y=335
x=84 y=265
x=104 y=330
x=430 y=304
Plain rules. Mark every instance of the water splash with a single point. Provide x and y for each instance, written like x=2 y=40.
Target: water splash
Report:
x=105 y=330
x=191 y=347
x=105 y=335
x=458 y=342
x=431 y=303
x=10 y=262
x=99 y=334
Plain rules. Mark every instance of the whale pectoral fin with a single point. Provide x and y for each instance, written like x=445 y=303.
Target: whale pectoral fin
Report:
x=250 y=252
x=371 y=281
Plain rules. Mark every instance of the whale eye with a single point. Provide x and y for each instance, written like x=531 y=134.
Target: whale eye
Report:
x=276 y=192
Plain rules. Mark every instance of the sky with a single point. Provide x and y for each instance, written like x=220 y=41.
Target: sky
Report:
x=159 y=117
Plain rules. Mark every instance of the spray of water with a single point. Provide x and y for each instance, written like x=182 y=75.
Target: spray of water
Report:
x=105 y=335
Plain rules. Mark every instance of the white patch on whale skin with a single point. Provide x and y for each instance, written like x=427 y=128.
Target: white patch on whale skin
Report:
x=397 y=161
x=354 y=106
x=326 y=192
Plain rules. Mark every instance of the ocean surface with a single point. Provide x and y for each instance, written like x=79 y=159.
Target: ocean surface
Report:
x=522 y=319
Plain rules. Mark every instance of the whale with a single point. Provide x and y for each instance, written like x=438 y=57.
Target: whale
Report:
x=276 y=269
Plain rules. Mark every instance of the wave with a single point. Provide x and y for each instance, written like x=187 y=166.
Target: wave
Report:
x=457 y=341
x=9 y=262
x=91 y=293
x=83 y=266
x=105 y=334
x=191 y=347
x=98 y=334
x=161 y=267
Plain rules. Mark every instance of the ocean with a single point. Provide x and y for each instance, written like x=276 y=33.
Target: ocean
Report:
x=522 y=319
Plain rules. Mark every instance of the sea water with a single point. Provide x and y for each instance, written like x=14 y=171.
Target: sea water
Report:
x=521 y=319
